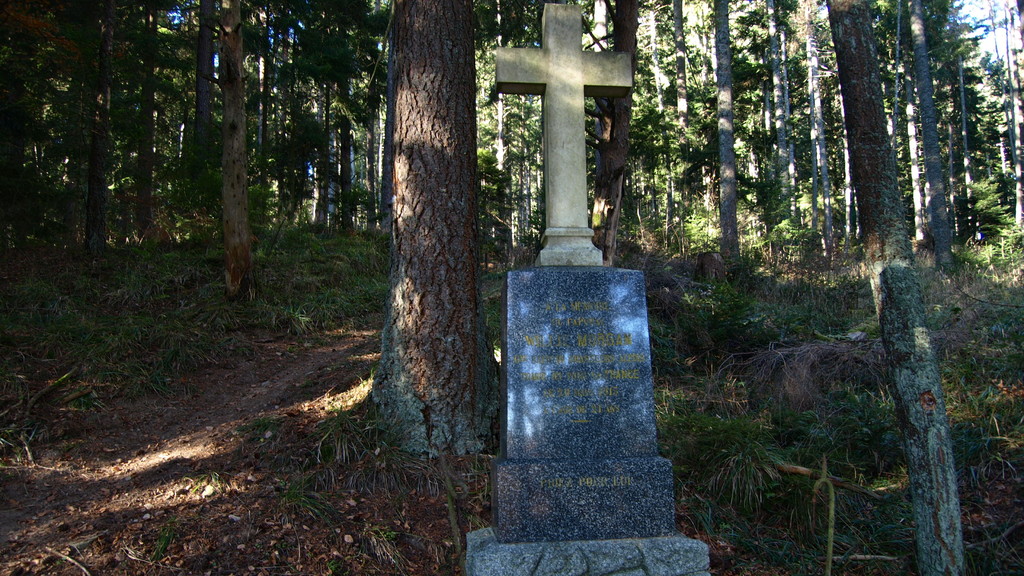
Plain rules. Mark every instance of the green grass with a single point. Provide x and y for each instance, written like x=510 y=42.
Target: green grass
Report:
x=724 y=425
x=138 y=319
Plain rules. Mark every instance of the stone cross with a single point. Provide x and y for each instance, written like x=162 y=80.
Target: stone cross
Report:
x=564 y=75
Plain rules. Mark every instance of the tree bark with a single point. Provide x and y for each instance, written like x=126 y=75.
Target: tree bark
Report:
x=917 y=195
x=614 y=116
x=147 y=150
x=238 y=274
x=434 y=380
x=818 y=140
x=204 y=78
x=96 y=198
x=730 y=240
x=913 y=368
x=682 y=114
x=779 y=113
x=938 y=210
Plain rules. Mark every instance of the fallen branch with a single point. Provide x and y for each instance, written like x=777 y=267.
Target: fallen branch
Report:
x=67 y=558
x=1006 y=533
x=816 y=475
x=49 y=388
x=871 y=558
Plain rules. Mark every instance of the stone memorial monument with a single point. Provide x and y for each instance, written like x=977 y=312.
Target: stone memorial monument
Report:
x=578 y=487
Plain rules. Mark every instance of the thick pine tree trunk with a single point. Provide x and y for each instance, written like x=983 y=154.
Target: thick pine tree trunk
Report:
x=730 y=240
x=913 y=368
x=434 y=380
x=238 y=274
x=938 y=210
x=613 y=139
x=96 y=198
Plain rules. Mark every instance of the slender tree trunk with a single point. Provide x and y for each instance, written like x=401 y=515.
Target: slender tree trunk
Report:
x=147 y=150
x=434 y=380
x=204 y=77
x=346 y=202
x=791 y=167
x=1013 y=71
x=387 y=163
x=968 y=177
x=238 y=274
x=779 y=114
x=614 y=115
x=915 y=168
x=96 y=199
x=818 y=139
x=938 y=210
x=913 y=368
x=730 y=240
x=851 y=231
x=682 y=115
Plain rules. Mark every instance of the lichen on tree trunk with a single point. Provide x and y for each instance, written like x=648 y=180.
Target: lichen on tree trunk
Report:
x=913 y=367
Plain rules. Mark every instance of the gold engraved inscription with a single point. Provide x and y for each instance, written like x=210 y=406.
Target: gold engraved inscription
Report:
x=617 y=481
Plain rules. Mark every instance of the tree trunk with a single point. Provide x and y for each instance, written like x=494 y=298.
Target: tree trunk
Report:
x=434 y=380
x=614 y=115
x=779 y=114
x=730 y=240
x=682 y=114
x=204 y=78
x=238 y=274
x=346 y=202
x=938 y=210
x=96 y=199
x=915 y=168
x=147 y=151
x=818 y=140
x=387 y=162
x=913 y=368
x=850 y=231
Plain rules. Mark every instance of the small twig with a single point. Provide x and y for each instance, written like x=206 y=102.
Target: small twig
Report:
x=982 y=301
x=825 y=480
x=138 y=558
x=63 y=556
x=453 y=512
x=1006 y=533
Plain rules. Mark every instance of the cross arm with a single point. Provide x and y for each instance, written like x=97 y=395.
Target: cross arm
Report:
x=607 y=74
x=521 y=70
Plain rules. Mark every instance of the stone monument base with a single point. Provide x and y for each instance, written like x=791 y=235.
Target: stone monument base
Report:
x=662 y=556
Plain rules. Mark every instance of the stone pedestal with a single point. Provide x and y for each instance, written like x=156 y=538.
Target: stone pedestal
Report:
x=665 y=556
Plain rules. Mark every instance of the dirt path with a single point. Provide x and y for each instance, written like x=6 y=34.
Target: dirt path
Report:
x=111 y=486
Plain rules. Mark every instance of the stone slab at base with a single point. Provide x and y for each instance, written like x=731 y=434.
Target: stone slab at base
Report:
x=662 y=556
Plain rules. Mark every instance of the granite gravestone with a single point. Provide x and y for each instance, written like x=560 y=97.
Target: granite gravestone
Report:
x=578 y=487
x=578 y=445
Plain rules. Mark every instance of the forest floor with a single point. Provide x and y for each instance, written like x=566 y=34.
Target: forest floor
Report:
x=204 y=483
x=238 y=469
x=193 y=484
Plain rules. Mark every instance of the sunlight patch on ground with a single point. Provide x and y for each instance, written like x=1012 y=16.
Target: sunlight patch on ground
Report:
x=353 y=396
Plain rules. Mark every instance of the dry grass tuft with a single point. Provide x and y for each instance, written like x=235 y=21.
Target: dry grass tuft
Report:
x=800 y=376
